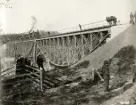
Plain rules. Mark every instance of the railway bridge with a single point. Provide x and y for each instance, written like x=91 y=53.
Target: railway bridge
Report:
x=64 y=49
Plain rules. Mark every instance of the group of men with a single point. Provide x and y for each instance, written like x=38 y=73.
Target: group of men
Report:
x=22 y=61
x=133 y=18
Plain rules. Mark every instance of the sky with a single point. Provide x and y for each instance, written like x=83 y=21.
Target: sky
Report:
x=61 y=14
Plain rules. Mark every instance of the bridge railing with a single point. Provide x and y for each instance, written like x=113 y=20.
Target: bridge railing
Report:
x=94 y=25
x=84 y=27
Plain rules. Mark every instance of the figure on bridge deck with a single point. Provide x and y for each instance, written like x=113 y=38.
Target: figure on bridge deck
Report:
x=49 y=33
x=80 y=27
x=131 y=18
x=40 y=61
x=106 y=75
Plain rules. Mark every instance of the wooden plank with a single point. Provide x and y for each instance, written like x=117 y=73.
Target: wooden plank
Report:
x=8 y=69
x=30 y=67
x=28 y=79
x=22 y=75
x=45 y=85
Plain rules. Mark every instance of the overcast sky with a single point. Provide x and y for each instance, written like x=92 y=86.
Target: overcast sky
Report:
x=61 y=14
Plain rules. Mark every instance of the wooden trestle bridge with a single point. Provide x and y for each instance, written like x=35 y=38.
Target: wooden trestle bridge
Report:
x=64 y=49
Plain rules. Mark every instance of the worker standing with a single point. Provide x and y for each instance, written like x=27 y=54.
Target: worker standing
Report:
x=80 y=27
x=20 y=64
x=40 y=61
x=106 y=75
x=134 y=72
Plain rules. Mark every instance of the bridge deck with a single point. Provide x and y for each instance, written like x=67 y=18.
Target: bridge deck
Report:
x=90 y=29
x=71 y=33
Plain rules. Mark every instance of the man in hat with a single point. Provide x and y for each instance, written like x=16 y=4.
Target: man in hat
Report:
x=106 y=75
x=40 y=61
x=19 y=64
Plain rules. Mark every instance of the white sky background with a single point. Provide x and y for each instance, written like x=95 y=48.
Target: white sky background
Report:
x=61 y=14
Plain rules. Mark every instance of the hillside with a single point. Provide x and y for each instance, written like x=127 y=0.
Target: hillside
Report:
x=116 y=30
x=127 y=98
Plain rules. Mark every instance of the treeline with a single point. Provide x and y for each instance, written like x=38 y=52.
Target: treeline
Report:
x=26 y=36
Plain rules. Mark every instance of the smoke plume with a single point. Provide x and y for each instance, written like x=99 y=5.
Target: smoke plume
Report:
x=34 y=21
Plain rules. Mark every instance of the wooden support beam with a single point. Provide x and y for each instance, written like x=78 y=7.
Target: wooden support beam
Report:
x=15 y=52
x=86 y=44
x=63 y=50
x=95 y=39
x=91 y=42
x=68 y=53
x=78 y=47
x=46 y=47
x=101 y=36
x=48 y=50
x=60 y=51
x=54 y=52
x=51 y=49
x=75 y=48
x=72 y=46
x=34 y=53
x=58 y=48
x=82 y=44
x=70 y=50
